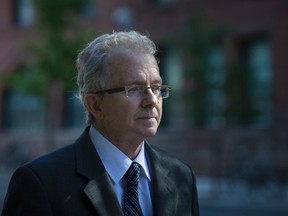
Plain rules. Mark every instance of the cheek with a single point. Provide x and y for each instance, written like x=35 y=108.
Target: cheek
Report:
x=159 y=110
x=121 y=113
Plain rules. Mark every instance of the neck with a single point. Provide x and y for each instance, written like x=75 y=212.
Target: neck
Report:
x=129 y=145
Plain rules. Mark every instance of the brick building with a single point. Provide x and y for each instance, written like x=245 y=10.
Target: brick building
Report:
x=251 y=35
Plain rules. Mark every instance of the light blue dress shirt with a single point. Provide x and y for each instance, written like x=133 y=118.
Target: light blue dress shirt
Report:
x=117 y=163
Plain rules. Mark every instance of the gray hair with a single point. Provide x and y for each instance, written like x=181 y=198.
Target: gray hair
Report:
x=92 y=73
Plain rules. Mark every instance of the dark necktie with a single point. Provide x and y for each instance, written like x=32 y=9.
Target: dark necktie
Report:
x=131 y=202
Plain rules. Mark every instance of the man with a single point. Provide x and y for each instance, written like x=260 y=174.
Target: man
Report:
x=122 y=91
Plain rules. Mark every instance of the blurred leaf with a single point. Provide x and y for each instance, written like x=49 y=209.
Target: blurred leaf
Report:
x=29 y=80
x=55 y=50
x=54 y=13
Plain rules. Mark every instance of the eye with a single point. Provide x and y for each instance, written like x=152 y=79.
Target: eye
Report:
x=135 y=91
x=156 y=89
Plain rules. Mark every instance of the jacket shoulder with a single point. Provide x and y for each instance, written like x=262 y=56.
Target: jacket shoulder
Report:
x=51 y=159
x=167 y=159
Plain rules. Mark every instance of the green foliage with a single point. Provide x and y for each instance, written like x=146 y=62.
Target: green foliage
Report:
x=29 y=81
x=55 y=58
x=55 y=50
x=54 y=13
x=56 y=54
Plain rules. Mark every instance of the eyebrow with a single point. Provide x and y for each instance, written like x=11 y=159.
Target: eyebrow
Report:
x=153 y=82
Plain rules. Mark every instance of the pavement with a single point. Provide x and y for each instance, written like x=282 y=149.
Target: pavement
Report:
x=236 y=195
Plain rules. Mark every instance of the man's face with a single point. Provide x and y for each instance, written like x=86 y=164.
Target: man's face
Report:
x=124 y=117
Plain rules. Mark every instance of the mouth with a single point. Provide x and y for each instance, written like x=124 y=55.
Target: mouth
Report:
x=148 y=117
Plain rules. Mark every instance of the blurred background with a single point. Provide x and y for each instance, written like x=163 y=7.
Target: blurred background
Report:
x=226 y=61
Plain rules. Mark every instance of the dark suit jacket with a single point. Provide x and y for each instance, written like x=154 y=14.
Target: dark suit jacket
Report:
x=73 y=181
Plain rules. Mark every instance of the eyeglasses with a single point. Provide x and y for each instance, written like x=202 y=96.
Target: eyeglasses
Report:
x=137 y=91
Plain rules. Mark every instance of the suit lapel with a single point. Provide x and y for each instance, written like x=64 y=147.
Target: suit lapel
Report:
x=101 y=194
x=164 y=191
x=99 y=189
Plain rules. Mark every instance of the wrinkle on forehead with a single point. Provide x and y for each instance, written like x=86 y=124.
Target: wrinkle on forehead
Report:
x=133 y=68
x=152 y=77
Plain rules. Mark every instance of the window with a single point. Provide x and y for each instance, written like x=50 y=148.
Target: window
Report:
x=259 y=63
x=240 y=96
x=23 y=111
x=174 y=69
x=208 y=96
x=24 y=12
x=171 y=72
x=253 y=82
x=214 y=99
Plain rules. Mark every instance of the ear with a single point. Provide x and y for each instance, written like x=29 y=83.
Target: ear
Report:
x=93 y=105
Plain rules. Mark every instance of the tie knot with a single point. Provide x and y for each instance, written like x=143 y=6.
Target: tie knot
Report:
x=132 y=174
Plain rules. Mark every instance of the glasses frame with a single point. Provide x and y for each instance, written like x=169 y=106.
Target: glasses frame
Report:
x=128 y=87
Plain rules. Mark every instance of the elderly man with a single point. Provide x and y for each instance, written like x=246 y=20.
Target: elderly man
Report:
x=110 y=169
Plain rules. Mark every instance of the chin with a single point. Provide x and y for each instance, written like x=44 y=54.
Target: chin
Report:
x=149 y=132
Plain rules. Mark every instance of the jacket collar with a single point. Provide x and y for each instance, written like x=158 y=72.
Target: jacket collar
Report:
x=99 y=189
x=164 y=191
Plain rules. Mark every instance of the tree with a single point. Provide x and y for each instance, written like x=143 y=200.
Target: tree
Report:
x=53 y=53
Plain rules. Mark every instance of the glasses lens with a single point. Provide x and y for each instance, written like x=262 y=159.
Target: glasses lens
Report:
x=134 y=92
x=138 y=91
x=156 y=90
x=164 y=91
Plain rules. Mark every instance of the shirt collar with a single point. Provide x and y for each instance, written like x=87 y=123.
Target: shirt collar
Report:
x=115 y=161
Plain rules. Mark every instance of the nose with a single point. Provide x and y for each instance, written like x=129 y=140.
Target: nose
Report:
x=149 y=98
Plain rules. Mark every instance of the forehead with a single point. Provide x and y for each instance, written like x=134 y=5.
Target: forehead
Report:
x=130 y=67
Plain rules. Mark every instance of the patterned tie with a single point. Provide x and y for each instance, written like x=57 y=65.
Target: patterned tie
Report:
x=131 y=202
